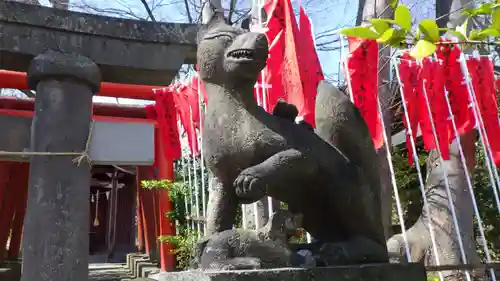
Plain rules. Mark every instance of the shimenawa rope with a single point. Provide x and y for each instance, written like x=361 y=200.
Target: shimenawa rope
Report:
x=80 y=156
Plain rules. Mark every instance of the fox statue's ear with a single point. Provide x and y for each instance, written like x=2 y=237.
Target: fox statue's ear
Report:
x=212 y=12
x=245 y=23
x=211 y=15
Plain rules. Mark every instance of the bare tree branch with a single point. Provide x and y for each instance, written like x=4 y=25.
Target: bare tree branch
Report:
x=115 y=12
x=188 y=12
x=28 y=93
x=148 y=10
x=60 y=4
x=32 y=2
x=232 y=5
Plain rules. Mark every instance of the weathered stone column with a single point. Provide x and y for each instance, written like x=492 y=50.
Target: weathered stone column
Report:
x=56 y=229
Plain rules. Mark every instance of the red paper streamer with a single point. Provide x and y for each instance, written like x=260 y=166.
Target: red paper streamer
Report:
x=275 y=18
x=186 y=112
x=458 y=94
x=163 y=111
x=282 y=20
x=409 y=73
x=362 y=67
x=191 y=93
x=273 y=72
x=198 y=85
x=293 y=67
x=292 y=81
x=310 y=66
x=432 y=74
x=483 y=81
x=167 y=120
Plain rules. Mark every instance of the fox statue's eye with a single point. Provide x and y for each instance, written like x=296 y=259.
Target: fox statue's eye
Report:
x=219 y=36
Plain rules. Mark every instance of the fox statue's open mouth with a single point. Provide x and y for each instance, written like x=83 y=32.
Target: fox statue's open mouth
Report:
x=244 y=55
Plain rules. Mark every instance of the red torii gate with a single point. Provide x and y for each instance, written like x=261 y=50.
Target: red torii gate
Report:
x=151 y=204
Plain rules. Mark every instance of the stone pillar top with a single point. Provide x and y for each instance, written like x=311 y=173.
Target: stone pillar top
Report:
x=55 y=64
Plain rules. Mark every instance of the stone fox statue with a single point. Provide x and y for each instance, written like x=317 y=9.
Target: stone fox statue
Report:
x=234 y=249
x=251 y=153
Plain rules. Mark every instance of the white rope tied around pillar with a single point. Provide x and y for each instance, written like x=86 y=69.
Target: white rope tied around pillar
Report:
x=80 y=156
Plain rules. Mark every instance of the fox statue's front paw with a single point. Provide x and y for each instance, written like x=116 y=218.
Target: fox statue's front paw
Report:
x=250 y=185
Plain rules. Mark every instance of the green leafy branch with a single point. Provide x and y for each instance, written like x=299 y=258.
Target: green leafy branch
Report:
x=156 y=184
x=177 y=192
x=182 y=246
x=398 y=32
x=184 y=241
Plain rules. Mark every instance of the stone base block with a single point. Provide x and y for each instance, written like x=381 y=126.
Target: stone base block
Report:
x=135 y=263
x=146 y=270
x=132 y=256
x=140 y=265
x=10 y=271
x=372 y=272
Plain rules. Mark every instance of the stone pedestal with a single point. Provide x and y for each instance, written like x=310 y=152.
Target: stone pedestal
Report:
x=10 y=270
x=56 y=229
x=376 y=272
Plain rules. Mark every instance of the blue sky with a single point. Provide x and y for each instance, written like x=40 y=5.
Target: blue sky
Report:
x=324 y=14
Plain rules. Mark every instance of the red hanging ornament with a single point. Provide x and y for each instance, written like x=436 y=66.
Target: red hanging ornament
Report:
x=167 y=121
x=362 y=68
x=273 y=72
x=434 y=89
x=275 y=18
x=311 y=72
x=292 y=81
x=481 y=72
x=198 y=85
x=458 y=94
x=409 y=72
x=192 y=97
x=182 y=104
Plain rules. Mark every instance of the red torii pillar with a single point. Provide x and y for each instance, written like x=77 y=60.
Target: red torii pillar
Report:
x=19 y=182
x=146 y=203
x=167 y=228
x=140 y=230
x=6 y=209
x=13 y=196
